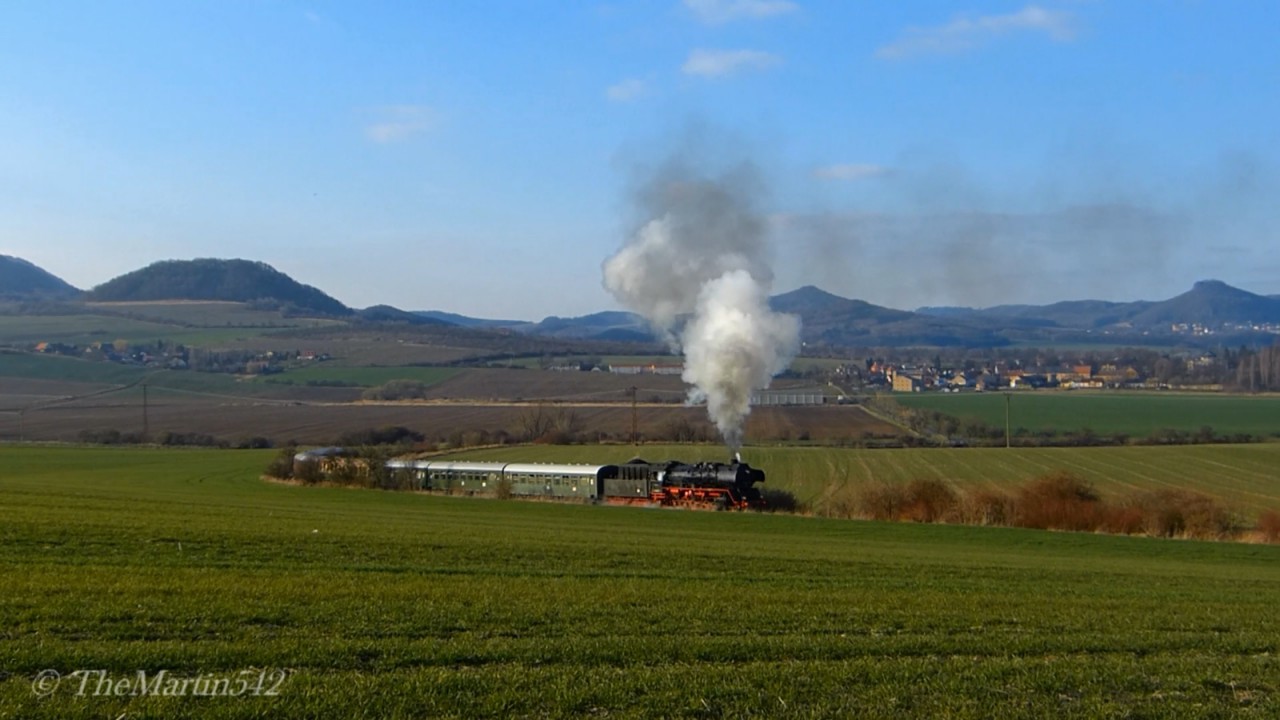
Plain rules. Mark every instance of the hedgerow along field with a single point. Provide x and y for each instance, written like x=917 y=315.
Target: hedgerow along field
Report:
x=1138 y=414
x=1245 y=477
x=384 y=604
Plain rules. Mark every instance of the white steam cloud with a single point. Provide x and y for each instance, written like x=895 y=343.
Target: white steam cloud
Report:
x=698 y=270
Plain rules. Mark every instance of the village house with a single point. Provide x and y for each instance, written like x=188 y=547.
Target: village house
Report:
x=903 y=382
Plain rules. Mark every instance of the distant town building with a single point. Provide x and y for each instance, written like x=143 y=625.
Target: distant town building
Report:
x=788 y=397
x=905 y=383
x=647 y=369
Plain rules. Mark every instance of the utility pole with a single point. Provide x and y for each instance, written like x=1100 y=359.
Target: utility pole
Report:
x=146 y=424
x=635 y=436
x=1007 y=442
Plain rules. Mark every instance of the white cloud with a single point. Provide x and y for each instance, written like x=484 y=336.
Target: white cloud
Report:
x=850 y=171
x=627 y=91
x=718 y=63
x=399 y=122
x=966 y=33
x=715 y=12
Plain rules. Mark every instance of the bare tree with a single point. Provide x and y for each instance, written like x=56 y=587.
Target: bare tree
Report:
x=567 y=421
x=535 y=422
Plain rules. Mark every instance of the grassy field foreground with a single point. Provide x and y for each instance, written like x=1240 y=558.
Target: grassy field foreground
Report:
x=398 y=605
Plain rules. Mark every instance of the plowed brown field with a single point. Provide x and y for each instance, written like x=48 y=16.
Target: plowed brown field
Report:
x=321 y=423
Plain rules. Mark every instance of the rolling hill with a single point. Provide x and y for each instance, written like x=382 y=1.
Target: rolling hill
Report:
x=213 y=279
x=467 y=321
x=390 y=314
x=607 y=325
x=828 y=319
x=22 y=279
x=1210 y=302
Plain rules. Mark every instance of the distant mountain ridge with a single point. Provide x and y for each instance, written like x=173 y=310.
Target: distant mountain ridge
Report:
x=22 y=279
x=465 y=321
x=606 y=325
x=213 y=279
x=831 y=320
x=1208 y=302
x=389 y=314
x=1211 y=302
x=818 y=306
x=1211 y=312
x=828 y=319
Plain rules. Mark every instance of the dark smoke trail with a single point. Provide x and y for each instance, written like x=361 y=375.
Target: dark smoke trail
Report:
x=702 y=258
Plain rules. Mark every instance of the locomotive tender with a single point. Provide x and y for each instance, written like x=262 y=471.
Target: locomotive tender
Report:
x=713 y=485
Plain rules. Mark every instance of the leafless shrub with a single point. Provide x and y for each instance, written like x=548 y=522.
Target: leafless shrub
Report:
x=503 y=490
x=784 y=501
x=308 y=471
x=929 y=501
x=281 y=466
x=555 y=437
x=840 y=506
x=1127 y=519
x=985 y=507
x=1182 y=513
x=682 y=430
x=881 y=502
x=385 y=478
x=397 y=390
x=1058 y=501
x=1269 y=526
x=567 y=421
x=534 y=422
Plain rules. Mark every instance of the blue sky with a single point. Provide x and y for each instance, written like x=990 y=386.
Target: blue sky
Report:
x=478 y=156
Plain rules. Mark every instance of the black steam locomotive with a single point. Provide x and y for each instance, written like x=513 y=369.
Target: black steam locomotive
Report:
x=729 y=485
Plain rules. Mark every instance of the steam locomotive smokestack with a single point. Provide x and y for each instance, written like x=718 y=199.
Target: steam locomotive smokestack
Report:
x=697 y=269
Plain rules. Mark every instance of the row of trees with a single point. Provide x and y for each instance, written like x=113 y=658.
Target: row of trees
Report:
x=1258 y=370
x=111 y=436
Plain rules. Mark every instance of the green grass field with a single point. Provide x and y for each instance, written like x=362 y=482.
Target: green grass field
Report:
x=1247 y=477
x=1135 y=414
x=54 y=367
x=362 y=376
x=382 y=604
x=85 y=329
x=211 y=314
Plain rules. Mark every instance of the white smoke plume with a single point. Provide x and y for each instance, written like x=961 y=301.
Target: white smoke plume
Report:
x=735 y=344
x=701 y=259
